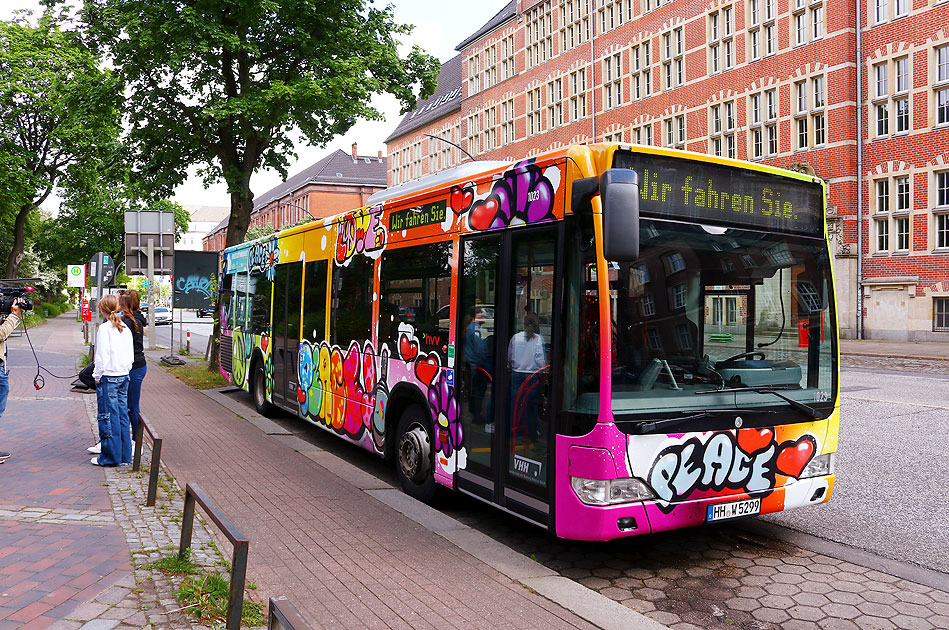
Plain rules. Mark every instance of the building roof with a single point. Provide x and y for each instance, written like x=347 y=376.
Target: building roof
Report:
x=445 y=100
x=502 y=16
x=206 y=214
x=338 y=167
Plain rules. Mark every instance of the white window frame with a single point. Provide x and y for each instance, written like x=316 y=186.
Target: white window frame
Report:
x=613 y=81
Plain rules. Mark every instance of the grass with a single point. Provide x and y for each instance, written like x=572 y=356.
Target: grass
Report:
x=197 y=375
x=204 y=594
x=84 y=360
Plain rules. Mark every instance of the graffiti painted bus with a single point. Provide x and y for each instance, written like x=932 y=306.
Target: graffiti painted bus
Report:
x=605 y=340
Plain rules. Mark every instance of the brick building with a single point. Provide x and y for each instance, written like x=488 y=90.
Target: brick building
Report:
x=339 y=182
x=780 y=81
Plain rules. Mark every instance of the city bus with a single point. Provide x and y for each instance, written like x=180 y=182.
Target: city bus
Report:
x=604 y=340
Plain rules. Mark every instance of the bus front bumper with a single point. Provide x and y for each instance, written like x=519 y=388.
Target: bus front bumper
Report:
x=579 y=521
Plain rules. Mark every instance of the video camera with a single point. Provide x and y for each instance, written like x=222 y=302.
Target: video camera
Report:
x=9 y=295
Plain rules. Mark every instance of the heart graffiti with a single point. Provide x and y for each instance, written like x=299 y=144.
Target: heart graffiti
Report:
x=794 y=456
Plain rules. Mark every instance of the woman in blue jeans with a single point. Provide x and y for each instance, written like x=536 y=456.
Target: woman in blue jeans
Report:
x=113 y=361
x=133 y=317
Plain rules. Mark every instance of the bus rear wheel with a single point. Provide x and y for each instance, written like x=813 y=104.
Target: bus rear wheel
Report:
x=415 y=455
x=258 y=387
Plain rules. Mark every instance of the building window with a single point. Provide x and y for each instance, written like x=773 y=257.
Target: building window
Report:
x=641 y=75
x=474 y=74
x=474 y=134
x=673 y=58
x=616 y=136
x=941 y=85
x=721 y=30
x=722 y=126
x=489 y=129
x=555 y=103
x=533 y=111
x=507 y=57
x=490 y=67
x=809 y=117
x=890 y=103
x=763 y=119
x=539 y=37
x=941 y=211
x=613 y=13
x=675 y=131
x=883 y=9
x=807 y=22
x=507 y=121
x=578 y=94
x=575 y=20
x=612 y=81
x=941 y=314
x=643 y=134
x=891 y=212
x=762 y=29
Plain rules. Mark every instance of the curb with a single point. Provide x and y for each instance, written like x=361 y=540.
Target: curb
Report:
x=586 y=603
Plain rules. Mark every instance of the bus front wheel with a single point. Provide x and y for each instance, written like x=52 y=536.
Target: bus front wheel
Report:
x=259 y=389
x=415 y=457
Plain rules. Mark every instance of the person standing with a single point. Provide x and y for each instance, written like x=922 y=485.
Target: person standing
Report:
x=114 y=357
x=8 y=326
x=526 y=357
x=132 y=316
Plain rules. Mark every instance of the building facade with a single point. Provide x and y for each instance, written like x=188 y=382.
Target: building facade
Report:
x=792 y=83
x=339 y=182
x=202 y=220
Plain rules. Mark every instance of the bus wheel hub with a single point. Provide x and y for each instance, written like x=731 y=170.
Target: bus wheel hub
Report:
x=415 y=453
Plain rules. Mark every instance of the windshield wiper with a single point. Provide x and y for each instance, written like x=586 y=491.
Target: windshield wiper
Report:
x=807 y=410
x=647 y=426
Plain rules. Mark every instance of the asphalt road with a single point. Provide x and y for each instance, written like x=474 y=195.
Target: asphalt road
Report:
x=200 y=327
x=889 y=498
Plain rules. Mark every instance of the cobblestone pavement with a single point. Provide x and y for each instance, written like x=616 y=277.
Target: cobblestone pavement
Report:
x=723 y=577
x=894 y=363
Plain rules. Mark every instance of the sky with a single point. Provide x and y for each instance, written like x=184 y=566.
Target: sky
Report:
x=439 y=27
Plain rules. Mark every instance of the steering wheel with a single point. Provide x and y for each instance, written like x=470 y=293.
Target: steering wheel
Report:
x=743 y=355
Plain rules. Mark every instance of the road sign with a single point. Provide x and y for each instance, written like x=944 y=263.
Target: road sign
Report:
x=102 y=269
x=142 y=226
x=76 y=276
x=86 y=313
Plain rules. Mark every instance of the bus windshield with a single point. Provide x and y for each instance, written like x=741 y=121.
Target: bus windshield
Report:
x=724 y=312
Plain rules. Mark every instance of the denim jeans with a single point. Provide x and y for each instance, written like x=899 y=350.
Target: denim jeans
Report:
x=4 y=387
x=112 y=411
x=136 y=377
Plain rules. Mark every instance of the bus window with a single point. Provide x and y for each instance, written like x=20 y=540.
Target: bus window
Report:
x=352 y=301
x=415 y=290
x=259 y=289
x=314 y=301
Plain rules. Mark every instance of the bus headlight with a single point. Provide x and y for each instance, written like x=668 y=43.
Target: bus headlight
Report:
x=610 y=491
x=819 y=466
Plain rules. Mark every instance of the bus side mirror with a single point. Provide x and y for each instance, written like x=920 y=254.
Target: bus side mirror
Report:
x=619 y=197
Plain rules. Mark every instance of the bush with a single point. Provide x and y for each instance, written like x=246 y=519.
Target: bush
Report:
x=51 y=309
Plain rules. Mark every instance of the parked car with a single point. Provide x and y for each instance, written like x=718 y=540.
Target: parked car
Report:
x=204 y=312
x=163 y=315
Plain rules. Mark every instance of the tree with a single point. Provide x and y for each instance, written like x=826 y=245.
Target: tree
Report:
x=223 y=85
x=56 y=108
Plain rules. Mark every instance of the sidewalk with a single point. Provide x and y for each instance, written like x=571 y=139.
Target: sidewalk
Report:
x=347 y=549
x=75 y=539
x=933 y=351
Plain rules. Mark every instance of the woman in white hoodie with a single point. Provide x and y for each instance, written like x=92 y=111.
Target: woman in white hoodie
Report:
x=114 y=356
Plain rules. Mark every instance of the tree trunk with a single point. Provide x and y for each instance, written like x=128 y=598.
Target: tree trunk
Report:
x=242 y=204
x=19 y=241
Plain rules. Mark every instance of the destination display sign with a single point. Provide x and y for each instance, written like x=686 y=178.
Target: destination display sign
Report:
x=425 y=214
x=687 y=189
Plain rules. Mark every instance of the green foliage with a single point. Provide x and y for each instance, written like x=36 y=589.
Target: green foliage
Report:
x=58 y=108
x=259 y=231
x=207 y=598
x=51 y=310
x=173 y=565
x=225 y=88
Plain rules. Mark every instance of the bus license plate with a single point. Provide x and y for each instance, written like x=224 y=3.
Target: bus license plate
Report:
x=722 y=511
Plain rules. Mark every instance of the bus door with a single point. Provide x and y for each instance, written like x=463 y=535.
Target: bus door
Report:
x=507 y=326
x=288 y=287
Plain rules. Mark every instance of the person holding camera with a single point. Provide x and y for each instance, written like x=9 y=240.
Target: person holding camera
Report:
x=8 y=326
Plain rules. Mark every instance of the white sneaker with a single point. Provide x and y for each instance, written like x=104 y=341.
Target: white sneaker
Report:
x=489 y=427
x=95 y=450
x=95 y=461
